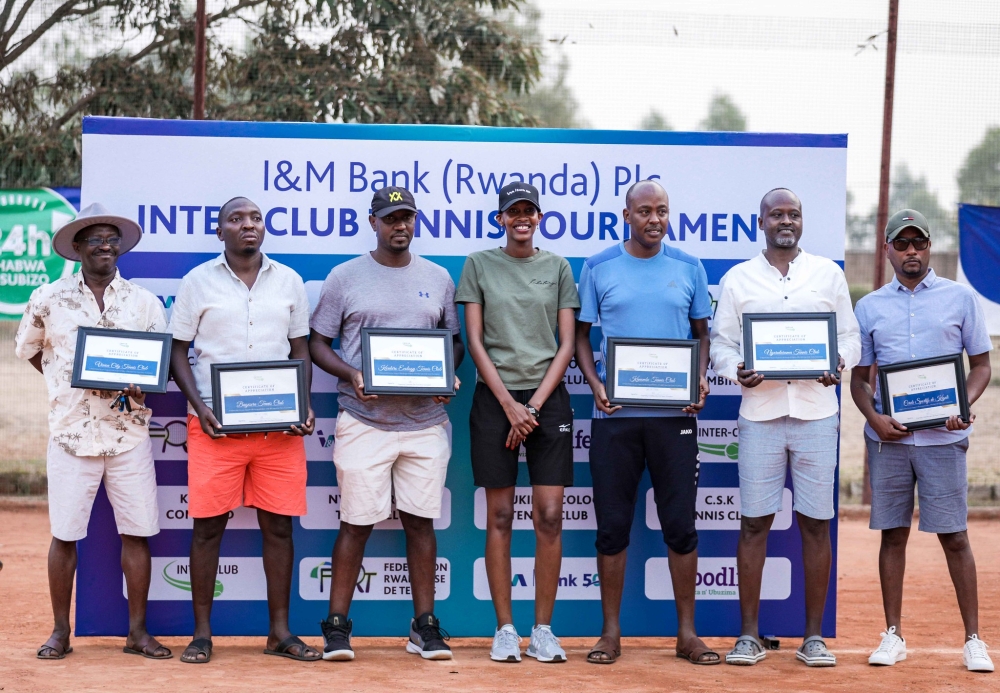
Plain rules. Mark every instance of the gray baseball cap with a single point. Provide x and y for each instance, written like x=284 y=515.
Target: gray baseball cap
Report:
x=904 y=219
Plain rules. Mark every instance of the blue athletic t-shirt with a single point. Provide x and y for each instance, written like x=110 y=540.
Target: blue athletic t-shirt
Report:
x=654 y=298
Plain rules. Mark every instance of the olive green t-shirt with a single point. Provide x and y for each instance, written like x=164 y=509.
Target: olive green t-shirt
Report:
x=521 y=298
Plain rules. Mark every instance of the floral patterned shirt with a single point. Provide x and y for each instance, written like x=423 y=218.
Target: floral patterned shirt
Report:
x=81 y=421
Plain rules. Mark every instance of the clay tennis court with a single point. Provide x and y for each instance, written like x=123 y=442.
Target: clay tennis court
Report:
x=932 y=627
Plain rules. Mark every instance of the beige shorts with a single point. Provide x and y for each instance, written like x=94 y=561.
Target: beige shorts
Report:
x=375 y=465
x=129 y=480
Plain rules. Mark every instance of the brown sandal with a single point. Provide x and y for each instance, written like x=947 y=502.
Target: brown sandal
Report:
x=695 y=654
x=142 y=648
x=53 y=644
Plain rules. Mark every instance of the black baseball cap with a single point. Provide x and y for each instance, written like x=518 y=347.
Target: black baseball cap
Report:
x=392 y=199
x=517 y=191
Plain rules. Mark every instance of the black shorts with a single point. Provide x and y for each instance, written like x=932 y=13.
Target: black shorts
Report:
x=619 y=450
x=549 y=447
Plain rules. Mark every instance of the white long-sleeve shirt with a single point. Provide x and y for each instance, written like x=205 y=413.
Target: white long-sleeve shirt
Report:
x=813 y=284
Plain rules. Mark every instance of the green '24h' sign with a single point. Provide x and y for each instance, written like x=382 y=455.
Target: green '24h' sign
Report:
x=28 y=219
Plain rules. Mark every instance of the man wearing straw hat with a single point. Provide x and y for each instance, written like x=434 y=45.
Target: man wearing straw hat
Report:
x=88 y=441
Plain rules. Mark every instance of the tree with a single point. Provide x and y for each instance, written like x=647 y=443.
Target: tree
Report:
x=979 y=177
x=723 y=116
x=654 y=120
x=911 y=192
x=375 y=61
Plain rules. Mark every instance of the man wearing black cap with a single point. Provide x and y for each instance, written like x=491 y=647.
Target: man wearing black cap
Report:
x=919 y=315
x=385 y=445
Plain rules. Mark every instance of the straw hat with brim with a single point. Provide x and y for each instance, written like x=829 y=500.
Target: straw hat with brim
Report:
x=93 y=214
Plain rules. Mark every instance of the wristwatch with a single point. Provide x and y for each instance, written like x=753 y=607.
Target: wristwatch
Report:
x=531 y=410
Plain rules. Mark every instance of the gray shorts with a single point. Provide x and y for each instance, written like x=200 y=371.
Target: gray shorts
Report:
x=937 y=471
x=769 y=448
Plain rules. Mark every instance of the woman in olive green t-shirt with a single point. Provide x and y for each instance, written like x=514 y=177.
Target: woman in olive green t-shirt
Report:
x=517 y=299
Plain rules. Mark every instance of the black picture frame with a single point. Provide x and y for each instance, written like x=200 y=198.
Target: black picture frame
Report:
x=962 y=393
x=749 y=319
x=449 y=362
x=694 y=373
x=265 y=427
x=163 y=372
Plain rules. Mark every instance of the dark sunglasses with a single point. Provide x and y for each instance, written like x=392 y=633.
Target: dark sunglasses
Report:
x=95 y=242
x=901 y=244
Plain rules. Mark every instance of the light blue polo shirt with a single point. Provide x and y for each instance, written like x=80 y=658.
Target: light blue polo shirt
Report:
x=653 y=298
x=939 y=318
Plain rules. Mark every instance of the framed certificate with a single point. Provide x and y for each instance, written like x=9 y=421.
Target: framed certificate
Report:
x=924 y=393
x=407 y=362
x=259 y=396
x=789 y=346
x=652 y=372
x=115 y=359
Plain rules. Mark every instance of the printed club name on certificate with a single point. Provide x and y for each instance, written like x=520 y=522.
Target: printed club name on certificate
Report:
x=929 y=392
x=135 y=359
x=408 y=361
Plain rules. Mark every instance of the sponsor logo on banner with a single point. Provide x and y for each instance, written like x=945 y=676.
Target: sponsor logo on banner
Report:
x=385 y=579
x=319 y=445
x=719 y=508
x=173 y=504
x=238 y=579
x=28 y=220
x=577 y=579
x=576 y=383
x=718 y=441
x=578 y=508
x=324 y=510
x=581 y=441
x=168 y=437
x=718 y=579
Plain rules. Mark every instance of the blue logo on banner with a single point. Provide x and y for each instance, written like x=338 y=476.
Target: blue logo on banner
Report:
x=652 y=379
x=427 y=369
x=103 y=364
x=925 y=400
x=790 y=352
x=242 y=403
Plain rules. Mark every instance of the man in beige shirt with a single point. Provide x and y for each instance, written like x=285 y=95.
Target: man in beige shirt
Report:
x=88 y=441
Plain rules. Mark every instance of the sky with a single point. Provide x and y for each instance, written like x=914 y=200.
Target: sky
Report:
x=793 y=67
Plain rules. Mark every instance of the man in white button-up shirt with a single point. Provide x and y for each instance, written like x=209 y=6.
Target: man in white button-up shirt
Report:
x=241 y=306
x=784 y=422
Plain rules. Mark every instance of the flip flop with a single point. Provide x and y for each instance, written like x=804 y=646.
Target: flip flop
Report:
x=200 y=646
x=282 y=650
x=55 y=646
x=141 y=648
x=695 y=654
x=609 y=657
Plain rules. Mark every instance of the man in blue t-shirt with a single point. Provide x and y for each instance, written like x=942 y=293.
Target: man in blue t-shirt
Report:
x=642 y=288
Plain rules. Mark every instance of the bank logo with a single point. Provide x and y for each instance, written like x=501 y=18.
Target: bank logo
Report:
x=578 y=579
x=718 y=579
x=719 y=508
x=238 y=578
x=323 y=504
x=578 y=508
x=380 y=579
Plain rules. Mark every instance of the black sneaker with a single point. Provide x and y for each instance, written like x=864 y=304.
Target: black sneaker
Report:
x=427 y=638
x=337 y=638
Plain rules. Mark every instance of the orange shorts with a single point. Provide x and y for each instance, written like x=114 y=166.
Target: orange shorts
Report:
x=256 y=470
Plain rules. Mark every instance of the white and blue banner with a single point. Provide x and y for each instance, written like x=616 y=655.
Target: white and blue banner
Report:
x=314 y=184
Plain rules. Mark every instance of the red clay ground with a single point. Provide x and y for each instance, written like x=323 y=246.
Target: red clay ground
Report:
x=933 y=627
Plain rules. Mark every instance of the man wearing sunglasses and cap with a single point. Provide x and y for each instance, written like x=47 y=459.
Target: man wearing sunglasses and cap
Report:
x=89 y=441
x=919 y=315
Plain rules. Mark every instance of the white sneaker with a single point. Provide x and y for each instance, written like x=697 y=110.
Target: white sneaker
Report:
x=544 y=645
x=974 y=655
x=892 y=649
x=505 y=645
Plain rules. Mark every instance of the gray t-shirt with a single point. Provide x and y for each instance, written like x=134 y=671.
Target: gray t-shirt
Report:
x=362 y=293
x=521 y=299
